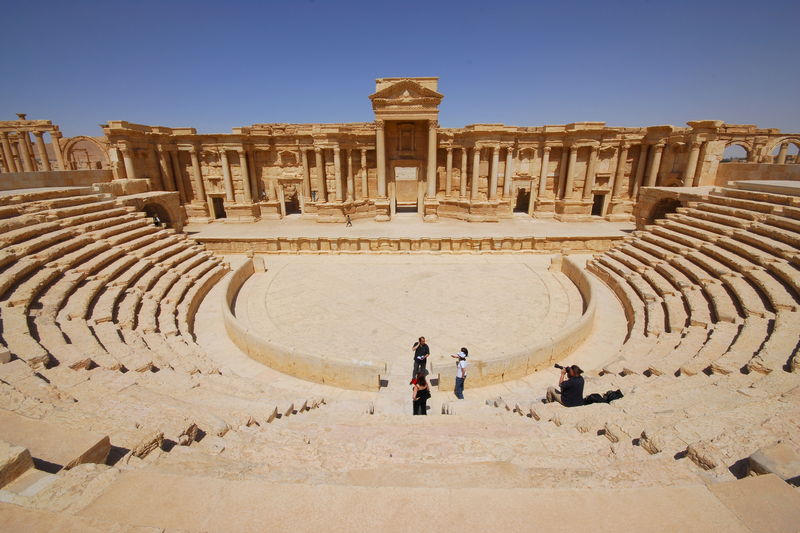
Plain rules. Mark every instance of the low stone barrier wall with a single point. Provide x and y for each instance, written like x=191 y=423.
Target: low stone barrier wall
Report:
x=55 y=178
x=355 y=375
x=482 y=372
x=315 y=245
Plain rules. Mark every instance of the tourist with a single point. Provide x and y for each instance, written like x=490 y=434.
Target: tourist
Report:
x=421 y=353
x=349 y=222
x=420 y=394
x=571 y=385
x=461 y=372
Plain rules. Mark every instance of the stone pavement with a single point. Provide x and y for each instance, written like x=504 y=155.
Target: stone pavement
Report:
x=408 y=226
x=372 y=308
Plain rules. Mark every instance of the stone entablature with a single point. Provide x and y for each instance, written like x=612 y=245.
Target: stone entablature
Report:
x=403 y=161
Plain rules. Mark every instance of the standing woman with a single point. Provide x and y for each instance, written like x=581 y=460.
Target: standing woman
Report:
x=420 y=395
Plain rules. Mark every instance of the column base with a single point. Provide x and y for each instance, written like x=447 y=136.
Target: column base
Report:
x=430 y=210
x=544 y=208
x=197 y=213
x=620 y=211
x=382 y=210
x=573 y=210
x=242 y=213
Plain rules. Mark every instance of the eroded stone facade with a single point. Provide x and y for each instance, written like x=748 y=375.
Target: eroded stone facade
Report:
x=403 y=161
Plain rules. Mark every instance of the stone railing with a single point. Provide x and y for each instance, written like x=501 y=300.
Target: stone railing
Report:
x=353 y=374
x=315 y=245
x=551 y=349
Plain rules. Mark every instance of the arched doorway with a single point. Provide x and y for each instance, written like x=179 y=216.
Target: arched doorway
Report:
x=735 y=153
x=85 y=153
x=785 y=152
x=159 y=215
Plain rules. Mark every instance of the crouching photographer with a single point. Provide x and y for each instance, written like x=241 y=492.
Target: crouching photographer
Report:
x=570 y=387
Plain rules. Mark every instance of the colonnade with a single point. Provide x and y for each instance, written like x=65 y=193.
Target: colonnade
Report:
x=20 y=154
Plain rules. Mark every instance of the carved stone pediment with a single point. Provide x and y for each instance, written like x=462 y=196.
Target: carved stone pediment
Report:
x=406 y=99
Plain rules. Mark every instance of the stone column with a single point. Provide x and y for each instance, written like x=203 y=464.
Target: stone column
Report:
x=570 y=183
x=619 y=176
x=42 y=151
x=350 y=180
x=337 y=173
x=152 y=158
x=782 y=153
x=476 y=170
x=306 y=175
x=26 y=140
x=493 y=172
x=127 y=157
x=176 y=167
x=652 y=176
x=247 y=187
x=543 y=171
x=323 y=186
x=258 y=187
x=507 y=174
x=55 y=137
x=448 y=184
x=562 y=173
x=462 y=183
x=364 y=175
x=22 y=150
x=691 y=164
x=588 y=183
x=380 y=154
x=197 y=173
x=8 y=155
x=226 y=176
x=640 y=167
x=166 y=170
x=431 y=174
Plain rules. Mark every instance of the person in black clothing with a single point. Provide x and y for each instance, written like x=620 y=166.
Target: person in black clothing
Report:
x=420 y=394
x=421 y=353
x=571 y=384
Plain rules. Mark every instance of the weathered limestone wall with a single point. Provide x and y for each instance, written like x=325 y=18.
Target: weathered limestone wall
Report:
x=355 y=375
x=550 y=350
x=756 y=171
x=65 y=178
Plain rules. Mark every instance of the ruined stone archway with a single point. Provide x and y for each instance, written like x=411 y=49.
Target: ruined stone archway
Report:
x=729 y=155
x=96 y=151
x=773 y=151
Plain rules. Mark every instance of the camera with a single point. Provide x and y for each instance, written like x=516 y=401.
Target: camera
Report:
x=558 y=366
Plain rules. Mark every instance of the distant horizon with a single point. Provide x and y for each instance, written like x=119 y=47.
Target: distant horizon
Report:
x=214 y=67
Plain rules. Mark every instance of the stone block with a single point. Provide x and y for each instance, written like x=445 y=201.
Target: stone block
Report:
x=779 y=459
x=5 y=356
x=14 y=460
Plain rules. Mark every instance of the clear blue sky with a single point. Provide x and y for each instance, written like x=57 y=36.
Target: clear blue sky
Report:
x=217 y=65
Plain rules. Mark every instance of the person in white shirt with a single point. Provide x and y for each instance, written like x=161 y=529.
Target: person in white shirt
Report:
x=461 y=372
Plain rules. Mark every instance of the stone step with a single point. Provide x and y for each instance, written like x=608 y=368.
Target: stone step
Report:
x=174 y=501
x=53 y=446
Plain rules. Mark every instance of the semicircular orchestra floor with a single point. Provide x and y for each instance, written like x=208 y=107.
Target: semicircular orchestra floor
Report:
x=372 y=308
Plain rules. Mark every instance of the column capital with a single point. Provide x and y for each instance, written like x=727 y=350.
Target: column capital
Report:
x=495 y=148
x=624 y=145
x=240 y=150
x=38 y=134
x=433 y=123
x=317 y=150
x=547 y=149
x=696 y=144
x=660 y=145
x=449 y=149
x=380 y=123
x=55 y=134
x=593 y=148
x=336 y=149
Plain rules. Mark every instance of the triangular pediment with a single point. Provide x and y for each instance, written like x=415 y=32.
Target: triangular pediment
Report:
x=405 y=91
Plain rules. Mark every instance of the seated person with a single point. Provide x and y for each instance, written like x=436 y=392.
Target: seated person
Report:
x=571 y=385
